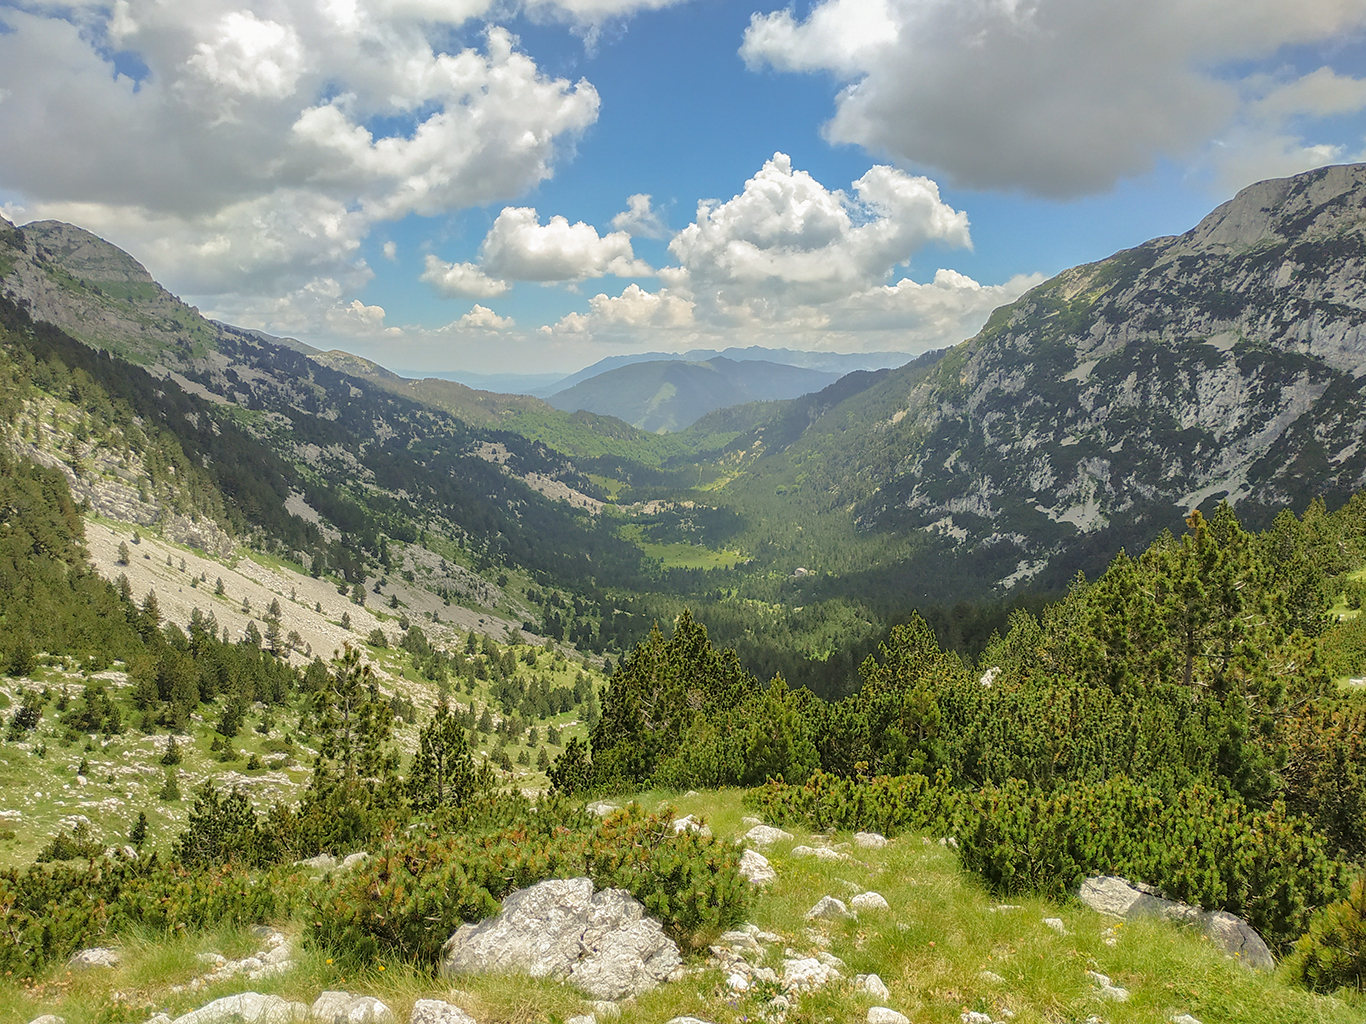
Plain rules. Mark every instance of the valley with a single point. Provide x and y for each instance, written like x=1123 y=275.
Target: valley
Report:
x=1077 y=596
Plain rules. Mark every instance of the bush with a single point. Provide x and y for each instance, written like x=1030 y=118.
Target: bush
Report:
x=408 y=901
x=1198 y=844
x=1332 y=954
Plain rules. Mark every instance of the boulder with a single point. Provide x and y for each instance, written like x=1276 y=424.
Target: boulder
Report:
x=869 y=901
x=819 y=852
x=48 y=1018
x=873 y=986
x=354 y=860
x=691 y=824
x=829 y=909
x=884 y=1015
x=766 y=835
x=602 y=808
x=869 y=840
x=601 y=942
x=434 y=1011
x=806 y=974
x=97 y=956
x=246 y=1008
x=755 y=868
x=1119 y=897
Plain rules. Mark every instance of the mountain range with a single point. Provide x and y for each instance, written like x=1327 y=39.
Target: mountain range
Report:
x=1087 y=416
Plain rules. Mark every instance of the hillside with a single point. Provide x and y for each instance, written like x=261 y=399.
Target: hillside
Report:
x=1106 y=403
x=668 y=395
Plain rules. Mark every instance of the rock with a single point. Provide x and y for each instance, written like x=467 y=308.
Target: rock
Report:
x=246 y=1008
x=819 y=852
x=96 y=956
x=1106 y=990
x=354 y=860
x=873 y=985
x=330 y=1005
x=869 y=840
x=806 y=974
x=766 y=835
x=975 y=1017
x=690 y=824
x=602 y=808
x=601 y=942
x=1122 y=898
x=992 y=977
x=605 y=1008
x=737 y=983
x=755 y=868
x=884 y=1015
x=434 y=1011
x=322 y=862
x=831 y=960
x=780 y=1003
x=1185 y=1018
x=48 y=1018
x=1056 y=924
x=869 y=901
x=748 y=821
x=829 y=909
x=686 y=1020
x=583 y=1018
x=950 y=842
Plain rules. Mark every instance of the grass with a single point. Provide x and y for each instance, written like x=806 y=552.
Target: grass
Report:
x=680 y=555
x=930 y=948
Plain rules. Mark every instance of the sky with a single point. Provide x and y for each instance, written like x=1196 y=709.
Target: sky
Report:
x=527 y=186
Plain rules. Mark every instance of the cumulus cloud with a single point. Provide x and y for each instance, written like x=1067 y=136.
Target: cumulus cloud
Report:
x=357 y=318
x=786 y=236
x=788 y=261
x=484 y=319
x=1054 y=97
x=461 y=280
x=262 y=146
x=520 y=247
x=640 y=219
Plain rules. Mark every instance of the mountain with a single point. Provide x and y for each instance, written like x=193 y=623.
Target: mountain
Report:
x=834 y=362
x=1105 y=404
x=671 y=394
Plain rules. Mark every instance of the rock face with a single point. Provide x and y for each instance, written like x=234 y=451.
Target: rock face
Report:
x=600 y=942
x=1121 y=898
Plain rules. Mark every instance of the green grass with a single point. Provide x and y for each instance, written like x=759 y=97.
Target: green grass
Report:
x=680 y=555
x=930 y=948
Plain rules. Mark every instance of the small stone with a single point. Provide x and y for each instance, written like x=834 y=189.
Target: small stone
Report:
x=749 y=821
x=831 y=960
x=605 y=1008
x=869 y=901
x=737 y=983
x=829 y=909
x=1056 y=924
x=807 y=974
x=819 y=852
x=602 y=808
x=975 y=1017
x=690 y=824
x=884 y=1015
x=354 y=860
x=870 y=840
x=686 y=1020
x=780 y=1002
x=48 y=1018
x=330 y=1005
x=1002 y=908
x=1184 y=1018
x=97 y=956
x=992 y=977
x=434 y=1011
x=766 y=835
x=322 y=862
x=950 y=842
x=873 y=985
x=583 y=1018
x=755 y=868
x=246 y=1008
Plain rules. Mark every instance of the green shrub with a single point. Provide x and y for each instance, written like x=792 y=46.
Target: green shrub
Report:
x=1332 y=954
x=408 y=901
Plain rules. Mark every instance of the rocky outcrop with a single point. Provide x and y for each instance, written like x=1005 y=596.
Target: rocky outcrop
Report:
x=1121 y=898
x=599 y=942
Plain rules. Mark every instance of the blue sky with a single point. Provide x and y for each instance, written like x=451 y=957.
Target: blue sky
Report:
x=448 y=186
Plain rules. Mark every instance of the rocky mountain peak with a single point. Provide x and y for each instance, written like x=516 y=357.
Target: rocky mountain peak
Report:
x=84 y=255
x=1326 y=201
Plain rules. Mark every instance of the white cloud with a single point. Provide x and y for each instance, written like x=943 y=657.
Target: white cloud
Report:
x=390 y=250
x=787 y=237
x=262 y=146
x=640 y=219
x=461 y=280
x=484 y=319
x=1053 y=97
x=790 y=262
x=357 y=318
x=518 y=246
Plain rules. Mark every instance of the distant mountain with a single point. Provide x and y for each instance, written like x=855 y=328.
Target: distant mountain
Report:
x=1105 y=404
x=671 y=394
x=838 y=363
